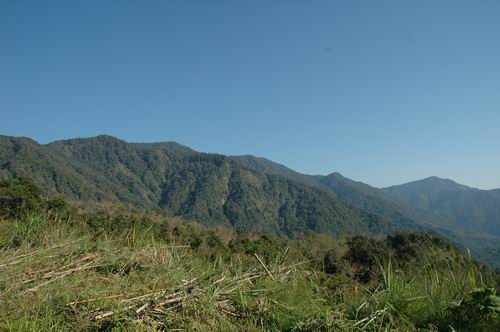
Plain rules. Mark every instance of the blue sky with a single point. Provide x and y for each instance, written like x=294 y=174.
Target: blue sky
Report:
x=382 y=91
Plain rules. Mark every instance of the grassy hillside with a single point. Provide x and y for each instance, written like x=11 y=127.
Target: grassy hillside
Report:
x=116 y=269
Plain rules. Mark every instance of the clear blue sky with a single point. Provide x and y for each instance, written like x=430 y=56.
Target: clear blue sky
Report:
x=382 y=91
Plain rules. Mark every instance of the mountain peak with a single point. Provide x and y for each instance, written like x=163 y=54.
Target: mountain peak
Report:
x=427 y=193
x=92 y=139
x=18 y=139
x=335 y=174
x=436 y=179
x=432 y=183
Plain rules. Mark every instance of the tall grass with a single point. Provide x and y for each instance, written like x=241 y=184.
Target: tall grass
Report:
x=57 y=275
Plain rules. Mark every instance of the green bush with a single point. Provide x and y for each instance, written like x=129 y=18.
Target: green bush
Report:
x=119 y=220
x=214 y=241
x=195 y=242
x=18 y=197
x=331 y=264
x=477 y=311
x=265 y=246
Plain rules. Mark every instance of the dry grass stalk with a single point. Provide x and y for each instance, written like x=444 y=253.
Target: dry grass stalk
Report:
x=265 y=267
x=177 y=296
x=60 y=275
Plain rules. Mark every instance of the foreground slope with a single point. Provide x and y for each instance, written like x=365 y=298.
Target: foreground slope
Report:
x=122 y=269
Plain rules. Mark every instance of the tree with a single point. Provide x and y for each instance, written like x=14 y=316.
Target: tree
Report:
x=18 y=197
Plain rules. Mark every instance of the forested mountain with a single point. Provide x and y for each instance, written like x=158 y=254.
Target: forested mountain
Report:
x=212 y=189
x=250 y=193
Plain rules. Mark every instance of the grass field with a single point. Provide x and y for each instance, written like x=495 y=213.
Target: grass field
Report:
x=58 y=275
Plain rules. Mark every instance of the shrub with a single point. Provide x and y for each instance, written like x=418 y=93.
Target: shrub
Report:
x=214 y=241
x=478 y=311
x=330 y=262
x=195 y=242
x=19 y=197
x=265 y=246
x=363 y=253
x=403 y=246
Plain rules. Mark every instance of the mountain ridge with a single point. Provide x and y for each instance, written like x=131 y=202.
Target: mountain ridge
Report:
x=209 y=188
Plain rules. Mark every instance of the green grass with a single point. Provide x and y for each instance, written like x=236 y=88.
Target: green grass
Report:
x=57 y=275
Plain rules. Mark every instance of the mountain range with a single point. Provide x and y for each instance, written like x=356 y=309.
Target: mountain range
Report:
x=251 y=193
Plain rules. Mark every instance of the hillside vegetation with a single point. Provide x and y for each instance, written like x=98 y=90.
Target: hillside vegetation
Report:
x=112 y=268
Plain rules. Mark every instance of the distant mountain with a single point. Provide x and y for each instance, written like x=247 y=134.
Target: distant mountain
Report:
x=466 y=215
x=454 y=204
x=212 y=189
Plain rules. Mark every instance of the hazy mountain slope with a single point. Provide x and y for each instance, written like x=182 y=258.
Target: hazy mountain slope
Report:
x=456 y=204
x=424 y=193
x=371 y=199
x=468 y=216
